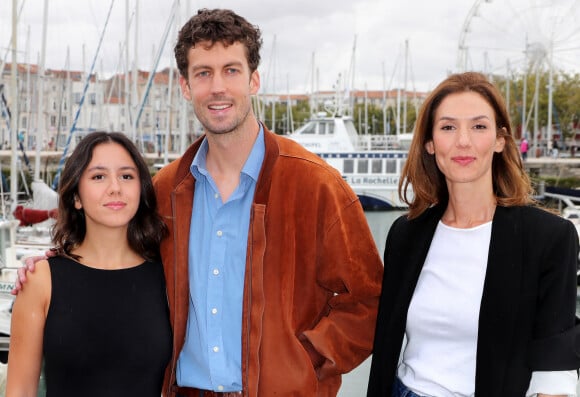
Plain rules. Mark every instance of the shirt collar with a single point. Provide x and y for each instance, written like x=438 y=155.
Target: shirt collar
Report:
x=251 y=168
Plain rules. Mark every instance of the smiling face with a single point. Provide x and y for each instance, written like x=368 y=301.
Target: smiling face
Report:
x=465 y=138
x=109 y=188
x=219 y=85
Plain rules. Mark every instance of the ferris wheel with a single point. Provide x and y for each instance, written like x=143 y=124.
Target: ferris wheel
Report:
x=529 y=37
x=519 y=35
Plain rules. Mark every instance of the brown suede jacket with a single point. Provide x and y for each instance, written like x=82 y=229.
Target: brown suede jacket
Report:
x=313 y=273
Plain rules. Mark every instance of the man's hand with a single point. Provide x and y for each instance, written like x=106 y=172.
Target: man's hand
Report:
x=29 y=266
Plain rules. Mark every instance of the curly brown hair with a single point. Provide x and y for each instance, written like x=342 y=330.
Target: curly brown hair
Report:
x=145 y=230
x=511 y=183
x=218 y=25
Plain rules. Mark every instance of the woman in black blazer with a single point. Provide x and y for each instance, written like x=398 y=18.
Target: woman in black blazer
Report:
x=479 y=286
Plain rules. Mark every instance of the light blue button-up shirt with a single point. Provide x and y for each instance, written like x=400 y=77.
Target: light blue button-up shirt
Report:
x=211 y=357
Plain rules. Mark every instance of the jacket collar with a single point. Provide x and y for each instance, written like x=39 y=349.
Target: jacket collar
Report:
x=264 y=179
x=270 y=157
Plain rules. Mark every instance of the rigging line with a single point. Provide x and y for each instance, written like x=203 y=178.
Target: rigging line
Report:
x=62 y=98
x=5 y=112
x=87 y=81
x=118 y=65
x=154 y=69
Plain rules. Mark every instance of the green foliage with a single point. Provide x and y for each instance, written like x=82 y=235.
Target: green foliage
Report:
x=565 y=100
x=300 y=113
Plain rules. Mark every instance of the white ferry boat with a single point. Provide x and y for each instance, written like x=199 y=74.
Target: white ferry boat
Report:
x=370 y=164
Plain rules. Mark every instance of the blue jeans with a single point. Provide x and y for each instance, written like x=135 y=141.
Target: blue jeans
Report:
x=400 y=390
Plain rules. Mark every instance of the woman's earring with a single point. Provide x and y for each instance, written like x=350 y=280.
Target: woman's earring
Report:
x=78 y=204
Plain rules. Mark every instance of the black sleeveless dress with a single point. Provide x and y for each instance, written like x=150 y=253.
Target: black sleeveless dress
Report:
x=107 y=332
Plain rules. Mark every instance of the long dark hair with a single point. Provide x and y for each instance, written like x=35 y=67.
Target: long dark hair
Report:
x=145 y=230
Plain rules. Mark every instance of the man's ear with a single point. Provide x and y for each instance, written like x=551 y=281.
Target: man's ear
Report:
x=185 y=90
x=254 y=82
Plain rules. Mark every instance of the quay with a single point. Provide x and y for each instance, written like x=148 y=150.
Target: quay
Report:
x=557 y=167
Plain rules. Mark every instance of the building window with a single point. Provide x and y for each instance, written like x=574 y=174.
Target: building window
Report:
x=377 y=166
x=391 y=166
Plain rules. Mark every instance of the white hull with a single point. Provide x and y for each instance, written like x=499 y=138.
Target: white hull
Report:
x=374 y=176
x=370 y=164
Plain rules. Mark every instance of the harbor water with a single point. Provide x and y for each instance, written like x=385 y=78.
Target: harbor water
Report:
x=354 y=384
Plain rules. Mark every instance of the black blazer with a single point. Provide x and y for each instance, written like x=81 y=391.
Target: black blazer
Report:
x=527 y=312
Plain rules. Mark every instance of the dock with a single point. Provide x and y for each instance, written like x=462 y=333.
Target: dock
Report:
x=562 y=167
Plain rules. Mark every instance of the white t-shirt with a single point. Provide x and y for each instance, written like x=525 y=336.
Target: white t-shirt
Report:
x=442 y=321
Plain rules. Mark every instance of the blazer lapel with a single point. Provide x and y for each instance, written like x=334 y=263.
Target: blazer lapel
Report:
x=498 y=306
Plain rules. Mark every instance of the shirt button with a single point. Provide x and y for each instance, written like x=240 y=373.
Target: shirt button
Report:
x=220 y=387
x=216 y=195
x=213 y=311
x=219 y=233
x=216 y=349
x=216 y=272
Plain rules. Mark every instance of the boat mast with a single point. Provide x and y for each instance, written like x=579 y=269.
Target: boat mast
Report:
x=273 y=89
x=14 y=112
x=312 y=89
x=405 y=128
x=289 y=117
x=550 y=99
x=184 y=124
x=40 y=112
x=126 y=71
x=384 y=101
x=170 y=112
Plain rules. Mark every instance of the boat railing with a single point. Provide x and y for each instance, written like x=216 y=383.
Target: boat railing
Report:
x=376 y=142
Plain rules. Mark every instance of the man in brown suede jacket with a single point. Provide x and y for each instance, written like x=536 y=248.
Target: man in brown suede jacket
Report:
x=265 y=239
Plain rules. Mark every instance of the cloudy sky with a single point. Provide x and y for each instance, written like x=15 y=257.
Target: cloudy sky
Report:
x=382 y=43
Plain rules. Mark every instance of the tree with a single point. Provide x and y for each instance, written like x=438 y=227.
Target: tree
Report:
x=565 y=101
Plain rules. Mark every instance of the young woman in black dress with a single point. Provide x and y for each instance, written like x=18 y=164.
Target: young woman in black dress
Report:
x=96 y=312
